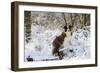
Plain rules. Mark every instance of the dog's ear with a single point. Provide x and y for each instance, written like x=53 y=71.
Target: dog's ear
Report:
x=65 y=28
x=70 y=27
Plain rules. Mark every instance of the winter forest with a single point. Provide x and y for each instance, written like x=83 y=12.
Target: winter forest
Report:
x=51 y=36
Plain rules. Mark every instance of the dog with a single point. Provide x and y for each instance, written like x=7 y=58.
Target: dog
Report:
x=57 y=44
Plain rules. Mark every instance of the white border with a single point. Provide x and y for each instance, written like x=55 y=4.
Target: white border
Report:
x=23 y=64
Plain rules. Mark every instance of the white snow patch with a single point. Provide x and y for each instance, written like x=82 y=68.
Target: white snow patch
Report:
x=40 y=46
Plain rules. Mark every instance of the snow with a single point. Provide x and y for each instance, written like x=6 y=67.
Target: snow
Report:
x=39 y=48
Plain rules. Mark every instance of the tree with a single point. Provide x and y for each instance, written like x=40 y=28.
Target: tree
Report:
x=27 y=24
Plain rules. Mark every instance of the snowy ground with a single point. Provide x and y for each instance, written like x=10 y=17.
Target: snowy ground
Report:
x=40 y=46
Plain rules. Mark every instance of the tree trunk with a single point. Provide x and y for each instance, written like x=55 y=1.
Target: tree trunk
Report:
x=27 y=25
